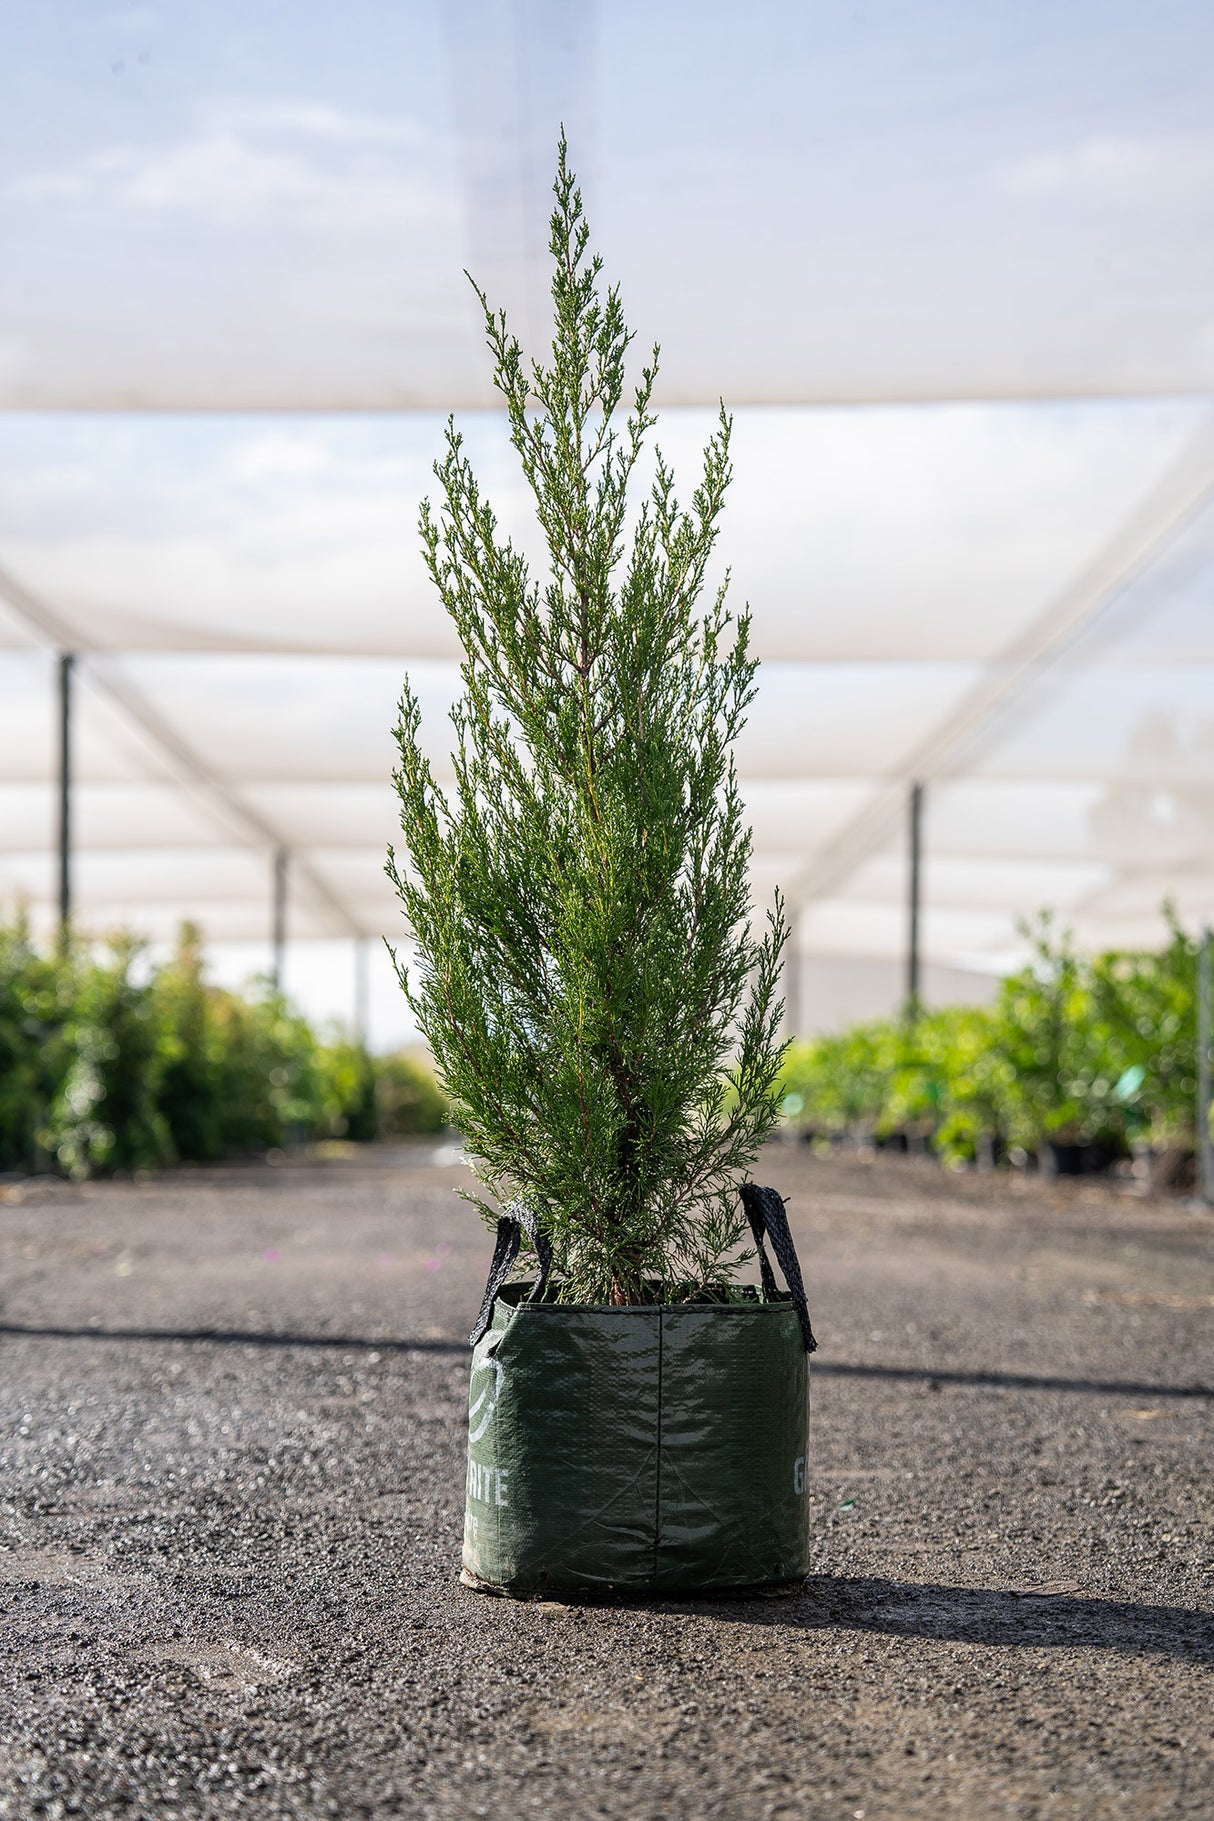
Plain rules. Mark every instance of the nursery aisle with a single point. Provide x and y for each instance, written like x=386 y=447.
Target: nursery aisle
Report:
x=232 y=1406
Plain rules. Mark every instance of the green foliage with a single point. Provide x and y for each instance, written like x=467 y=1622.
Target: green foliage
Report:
x=974 y=1078
x=1045 y=1031
x=105 y=1114
x=1072 y=1049
x=349 y=1080
x=273 y=1074
x=1146 y=1009
x=36 y=996
x=407 y=1098
x=840 y=1083
x=108 y=1064
x=195 y=1073
x=599 y=1012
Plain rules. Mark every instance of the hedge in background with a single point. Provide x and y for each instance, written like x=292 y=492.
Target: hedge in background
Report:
x=1073 y=1050
x=108 y=1064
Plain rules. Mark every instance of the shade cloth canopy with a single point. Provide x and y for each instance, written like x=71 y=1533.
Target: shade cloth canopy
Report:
x=221 y=205
x=951 y=267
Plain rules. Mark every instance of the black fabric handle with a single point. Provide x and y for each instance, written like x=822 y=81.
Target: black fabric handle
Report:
x=764 y=1210
x=519 y=1218
x=767 y=1217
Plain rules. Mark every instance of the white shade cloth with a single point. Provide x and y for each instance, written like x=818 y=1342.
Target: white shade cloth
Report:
x=954 y=276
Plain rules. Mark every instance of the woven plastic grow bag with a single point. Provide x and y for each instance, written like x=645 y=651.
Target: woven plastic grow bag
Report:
x=654 y=1449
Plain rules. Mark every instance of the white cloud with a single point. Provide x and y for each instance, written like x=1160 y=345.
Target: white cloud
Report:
x=302 y=161
x=1122 y=170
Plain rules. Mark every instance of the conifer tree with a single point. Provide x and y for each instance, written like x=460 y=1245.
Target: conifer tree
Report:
x=600 y=1011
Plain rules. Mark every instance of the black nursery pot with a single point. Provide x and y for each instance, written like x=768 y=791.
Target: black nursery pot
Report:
x=1083 y=1157
x=644 y=1450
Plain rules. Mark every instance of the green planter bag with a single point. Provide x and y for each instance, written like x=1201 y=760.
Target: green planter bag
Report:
x=652 y=1449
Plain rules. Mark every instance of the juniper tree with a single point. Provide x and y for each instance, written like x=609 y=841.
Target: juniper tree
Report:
x=600 y=1011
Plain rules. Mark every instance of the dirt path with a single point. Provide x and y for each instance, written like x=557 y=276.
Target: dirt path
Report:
x=231 y=1421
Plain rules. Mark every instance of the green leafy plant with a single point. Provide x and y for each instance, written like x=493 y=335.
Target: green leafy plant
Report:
x=36 y=996
x=1058 y=1089
x=976 y=1080
x=407 y=1098
x=601 y=1016
x=1146 y=1007
x=347 y=1081
x=1073 y=1049
x=196 y=1094
x=840 y=1083
x=108 y=1063
x=105 y=1114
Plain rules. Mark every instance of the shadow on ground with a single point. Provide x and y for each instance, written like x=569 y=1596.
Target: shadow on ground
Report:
x=982 y=1615
x=235 y=1337
x=932 y=1376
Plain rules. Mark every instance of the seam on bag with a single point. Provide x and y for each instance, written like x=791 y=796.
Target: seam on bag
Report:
x=657 y=1478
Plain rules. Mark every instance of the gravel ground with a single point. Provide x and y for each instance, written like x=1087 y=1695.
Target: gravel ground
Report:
x=232 y=1407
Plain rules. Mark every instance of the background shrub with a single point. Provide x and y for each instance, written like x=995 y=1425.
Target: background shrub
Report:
x=1073 y=1050
x=407 y=1098
x=108 y=1063
x=37 y=993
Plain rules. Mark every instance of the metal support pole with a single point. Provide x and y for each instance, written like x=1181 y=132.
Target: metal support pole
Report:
x=1205 y=1145
x=916 y=884
x=280 y=916
x=362 y=989
x=66 y=662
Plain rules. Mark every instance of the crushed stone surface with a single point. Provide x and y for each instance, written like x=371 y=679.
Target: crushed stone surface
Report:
x=232 y=1419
